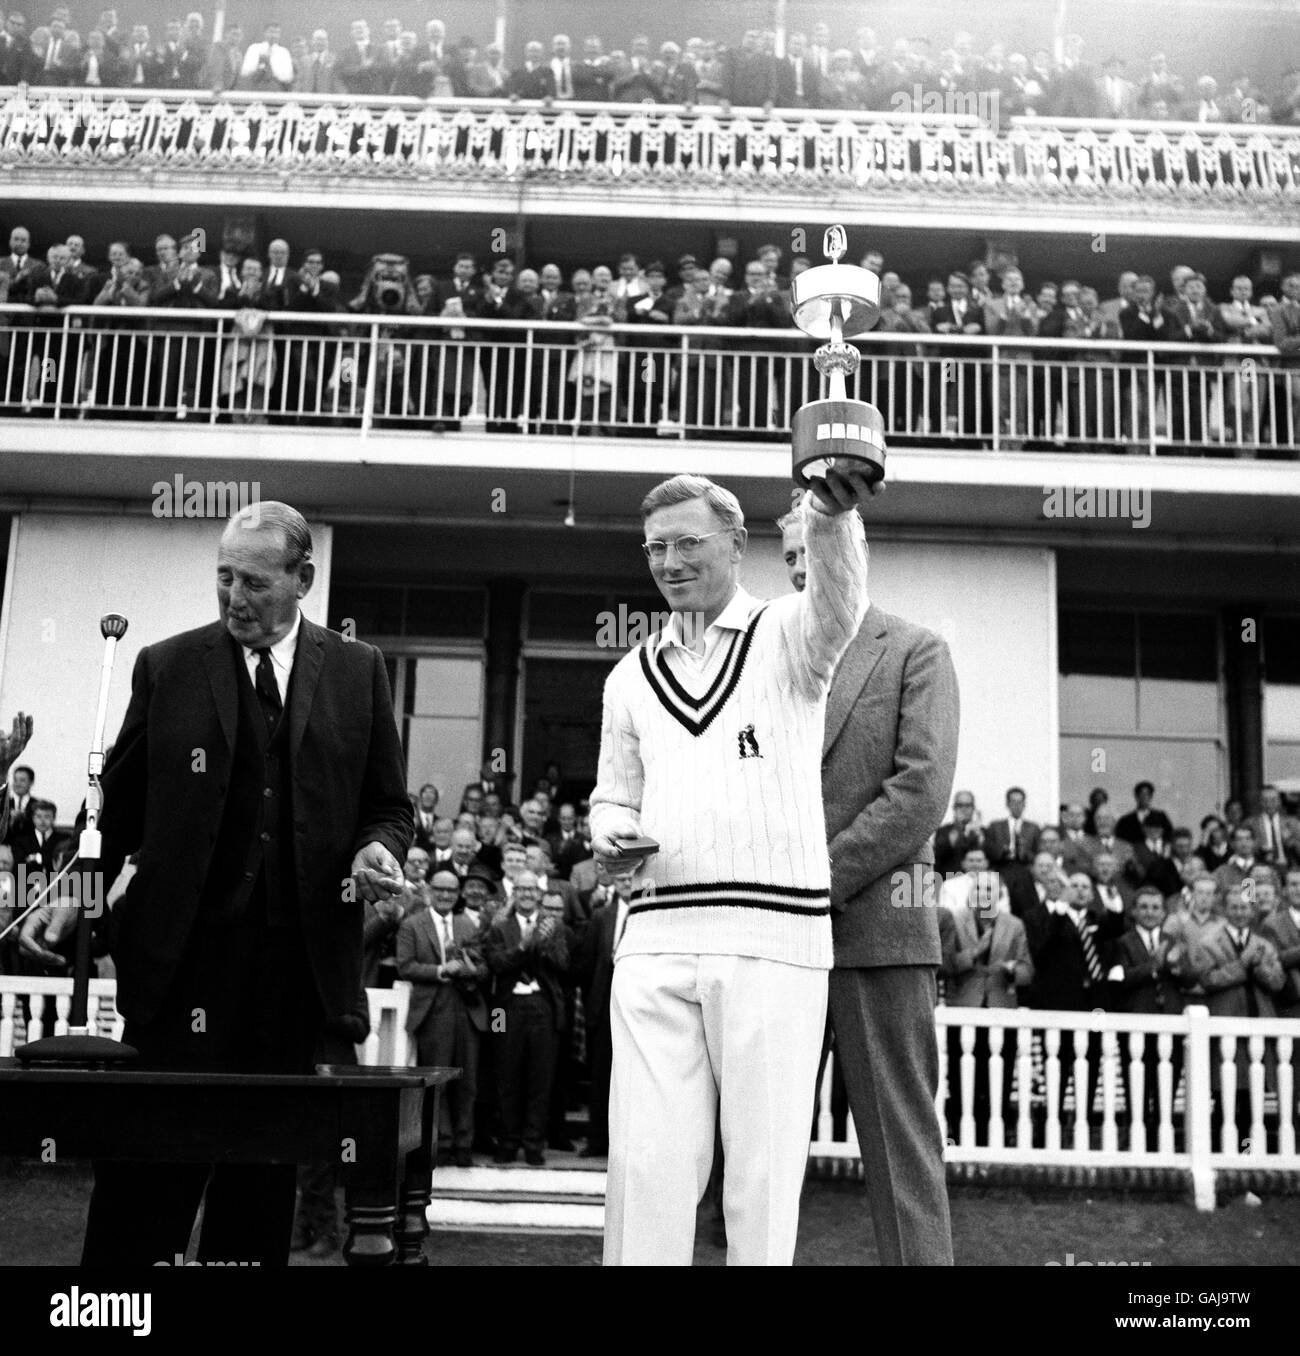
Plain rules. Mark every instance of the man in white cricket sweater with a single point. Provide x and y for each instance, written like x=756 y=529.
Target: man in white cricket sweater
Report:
x=711 y=744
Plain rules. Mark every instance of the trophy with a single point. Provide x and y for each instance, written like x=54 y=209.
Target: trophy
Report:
x=836 y=301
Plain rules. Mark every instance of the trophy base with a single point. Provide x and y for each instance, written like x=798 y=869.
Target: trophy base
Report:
x=827 y=433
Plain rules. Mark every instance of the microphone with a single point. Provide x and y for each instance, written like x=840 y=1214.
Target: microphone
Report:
x=112 y=626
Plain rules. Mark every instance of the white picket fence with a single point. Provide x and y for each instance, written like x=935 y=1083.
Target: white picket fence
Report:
x=1196 y=1130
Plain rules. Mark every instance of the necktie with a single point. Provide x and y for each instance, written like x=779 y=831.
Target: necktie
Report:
x=1275 y=828
x=1014 y=827
x=268 y=691
x=798 y=79
x=1089 y=947
x=444 y=937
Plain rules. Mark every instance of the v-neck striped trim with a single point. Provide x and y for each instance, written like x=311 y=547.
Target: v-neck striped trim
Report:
x=696 y=714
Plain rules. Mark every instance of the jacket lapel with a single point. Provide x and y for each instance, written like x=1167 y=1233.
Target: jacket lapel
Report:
x=307 y=661
x=220 y=656
x=855 y=667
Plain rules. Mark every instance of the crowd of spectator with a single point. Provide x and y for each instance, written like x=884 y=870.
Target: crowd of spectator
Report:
x=818 y=69
x=1042 y=396
x=1123 y=914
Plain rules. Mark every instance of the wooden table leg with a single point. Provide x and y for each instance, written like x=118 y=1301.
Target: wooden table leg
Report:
x=413 y=1227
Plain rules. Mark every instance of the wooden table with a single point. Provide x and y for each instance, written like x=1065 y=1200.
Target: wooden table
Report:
x=379 y=1123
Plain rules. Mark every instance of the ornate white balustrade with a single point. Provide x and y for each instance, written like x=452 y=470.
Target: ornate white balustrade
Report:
x=705 y=148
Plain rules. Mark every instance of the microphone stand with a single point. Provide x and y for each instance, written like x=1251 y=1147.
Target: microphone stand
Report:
x=81 y=1045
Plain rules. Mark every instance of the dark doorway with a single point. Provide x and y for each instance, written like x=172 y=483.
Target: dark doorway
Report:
x=562 y=705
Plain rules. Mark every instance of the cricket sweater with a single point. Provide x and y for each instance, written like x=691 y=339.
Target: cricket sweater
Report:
x=719 y=760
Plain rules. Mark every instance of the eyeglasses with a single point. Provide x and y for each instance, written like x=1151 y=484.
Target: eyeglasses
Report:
x=688 y=548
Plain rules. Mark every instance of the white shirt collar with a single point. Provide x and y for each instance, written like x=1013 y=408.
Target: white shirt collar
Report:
x=734 y=617
x=1295 y=915
x=282 y=653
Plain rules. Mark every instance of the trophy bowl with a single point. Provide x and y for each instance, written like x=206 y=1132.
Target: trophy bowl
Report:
x=840 y=289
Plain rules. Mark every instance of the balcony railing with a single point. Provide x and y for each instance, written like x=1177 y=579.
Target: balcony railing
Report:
x=1026 y=1088
x=444 y=376
x=483 y=139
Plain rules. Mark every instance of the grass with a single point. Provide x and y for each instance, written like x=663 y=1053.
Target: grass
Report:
x=44 y=1211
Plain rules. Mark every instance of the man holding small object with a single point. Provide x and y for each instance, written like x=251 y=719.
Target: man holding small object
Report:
x=711 y=746
x=259 y=774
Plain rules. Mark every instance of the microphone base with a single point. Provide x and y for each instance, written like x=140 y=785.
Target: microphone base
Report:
x=72 y=1051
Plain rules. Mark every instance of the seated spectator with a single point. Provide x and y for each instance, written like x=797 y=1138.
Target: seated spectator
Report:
x=1276 y=832
x=527 y=954
x=438 y=953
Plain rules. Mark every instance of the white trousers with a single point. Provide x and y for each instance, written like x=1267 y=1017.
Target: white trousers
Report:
x=690 y=1031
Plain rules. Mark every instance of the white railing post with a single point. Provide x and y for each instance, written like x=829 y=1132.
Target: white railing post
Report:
x=1196 y=1109
x=372 y=365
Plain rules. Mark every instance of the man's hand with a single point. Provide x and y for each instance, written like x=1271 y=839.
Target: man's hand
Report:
x=43 y=929
x=13 y=744
x=377 y=873
x=843 y=488
x=605 y=845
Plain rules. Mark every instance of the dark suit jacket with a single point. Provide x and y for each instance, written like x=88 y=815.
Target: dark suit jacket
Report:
x=418 y=960
x=1132 y=830
x=70 y=290
x=1061 y=971
x=785 y=83
x=539 y=83
x=25 y=847
x=1148 y=984
x=566 y=855
x=997 y=841
x=508 y=960
x=348 y=789
x=887 y=767
x=943 y=315
x=593 y=967
x=951 y=844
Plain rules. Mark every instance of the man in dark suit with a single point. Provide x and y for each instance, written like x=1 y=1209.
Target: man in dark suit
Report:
x=798 y=81
x=1069 y=942
x=1193 y=319
x=258 y=773
x=1132 y=827
x=888 y=759
x=956 y=838
x=955 y=395
x=20 y=799
x=1144 y=981
x=40 y=845
x=593 y=968
x=534 y=79
x=437 y=951
x=1014 y=839
x=17 y=60
x=461 y=284
x=426 y=816
x=567 y=845
x=527 y=953
x=50 y=287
